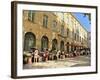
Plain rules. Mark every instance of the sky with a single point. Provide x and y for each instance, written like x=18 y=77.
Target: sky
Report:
x=83 y=20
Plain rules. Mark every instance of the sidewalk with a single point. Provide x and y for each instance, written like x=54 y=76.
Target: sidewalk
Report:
x=68 y=62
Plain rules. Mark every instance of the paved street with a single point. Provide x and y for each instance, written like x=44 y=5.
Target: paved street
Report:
x=68 y=62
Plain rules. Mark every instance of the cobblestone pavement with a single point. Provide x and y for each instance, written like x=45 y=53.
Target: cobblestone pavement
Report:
x=68 y=62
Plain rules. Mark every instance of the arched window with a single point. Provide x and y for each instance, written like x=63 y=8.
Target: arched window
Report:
x=62 y=45
x=29 y=41
x=54 y=44
x=67 y=46
x=44 y=43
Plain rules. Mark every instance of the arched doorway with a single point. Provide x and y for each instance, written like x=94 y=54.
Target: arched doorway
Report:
x=62 y=45
x=72 y=47
x=54 y=44
x=68 y=47
x=75 y=47
x=29 y=41
x=44 y=43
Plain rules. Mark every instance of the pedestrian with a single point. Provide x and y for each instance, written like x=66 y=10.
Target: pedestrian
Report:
x=74 y=52
x=33 y=50
x=63 y=55
x=46 y=54
x=36 y=55
x=58 y=53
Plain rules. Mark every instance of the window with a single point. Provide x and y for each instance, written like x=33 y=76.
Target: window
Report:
x=68 y=32
x=63 y=17
x=62 y=30
x=54 y=24
x=80 y=39
x=45 y=21
x=70 y=21
x=31 y=15
x=75 y=36
x=66 y=18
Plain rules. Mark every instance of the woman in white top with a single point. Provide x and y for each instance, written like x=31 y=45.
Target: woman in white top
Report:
x=36 y=55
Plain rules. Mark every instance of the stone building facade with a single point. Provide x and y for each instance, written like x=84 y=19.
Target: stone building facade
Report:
x=53 y=30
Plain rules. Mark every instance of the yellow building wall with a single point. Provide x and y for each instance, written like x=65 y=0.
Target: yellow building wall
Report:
x=37 y=28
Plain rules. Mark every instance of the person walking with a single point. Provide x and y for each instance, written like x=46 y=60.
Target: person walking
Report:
x=36 y=55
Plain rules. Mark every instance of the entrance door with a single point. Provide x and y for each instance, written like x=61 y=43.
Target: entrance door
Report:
x=44 y=43
x=62 y=45
x=54 y=44
x=29 y=41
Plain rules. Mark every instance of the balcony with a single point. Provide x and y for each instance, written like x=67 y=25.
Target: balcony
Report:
x=62 y=35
